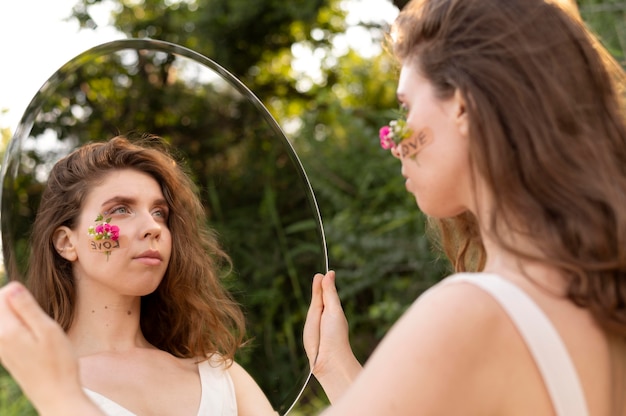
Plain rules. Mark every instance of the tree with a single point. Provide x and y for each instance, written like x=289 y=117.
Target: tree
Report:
x=607 y=19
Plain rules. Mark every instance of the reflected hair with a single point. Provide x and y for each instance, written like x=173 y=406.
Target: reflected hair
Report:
x=190 y=314
x=545 y=103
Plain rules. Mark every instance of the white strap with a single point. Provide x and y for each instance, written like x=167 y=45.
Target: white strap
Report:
x=106 y=405
x=542 y=340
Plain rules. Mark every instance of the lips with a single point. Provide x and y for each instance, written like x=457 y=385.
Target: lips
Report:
x=150 y=254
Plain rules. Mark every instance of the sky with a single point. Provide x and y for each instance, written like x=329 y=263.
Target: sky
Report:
x=36 y=40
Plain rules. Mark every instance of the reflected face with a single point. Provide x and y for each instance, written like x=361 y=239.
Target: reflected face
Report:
x=438 y=174
x=133 y=202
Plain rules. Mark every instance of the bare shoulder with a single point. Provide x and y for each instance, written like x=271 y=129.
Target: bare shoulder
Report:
x=446 y=355
x=457 y=320
x=250 y=398
x=449 y=298
x=452 y=311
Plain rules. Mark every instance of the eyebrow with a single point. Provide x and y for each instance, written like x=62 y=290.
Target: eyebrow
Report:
x=130 y=201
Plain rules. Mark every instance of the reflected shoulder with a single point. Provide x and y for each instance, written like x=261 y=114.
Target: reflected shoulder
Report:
x=251 y=401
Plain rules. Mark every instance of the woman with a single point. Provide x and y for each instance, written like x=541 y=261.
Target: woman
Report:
x=122 y=259
x=514 y=144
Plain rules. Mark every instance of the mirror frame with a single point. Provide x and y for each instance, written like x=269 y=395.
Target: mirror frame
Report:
x=27 y=123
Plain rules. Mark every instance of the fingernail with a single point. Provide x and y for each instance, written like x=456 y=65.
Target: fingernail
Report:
x=17 y=291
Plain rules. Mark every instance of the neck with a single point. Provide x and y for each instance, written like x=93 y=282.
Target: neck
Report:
x=105 y=321
x=510 y=265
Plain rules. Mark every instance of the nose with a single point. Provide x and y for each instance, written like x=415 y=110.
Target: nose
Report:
x=152 y=228
x=155 y=234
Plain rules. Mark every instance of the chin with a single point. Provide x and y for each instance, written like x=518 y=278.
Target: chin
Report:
x=145 y=287
x=438 y=211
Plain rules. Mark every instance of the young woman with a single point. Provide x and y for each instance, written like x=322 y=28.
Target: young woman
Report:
x=122 y=259
x=514 y=144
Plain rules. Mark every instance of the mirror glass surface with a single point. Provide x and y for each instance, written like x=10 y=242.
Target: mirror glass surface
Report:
x=255 y=191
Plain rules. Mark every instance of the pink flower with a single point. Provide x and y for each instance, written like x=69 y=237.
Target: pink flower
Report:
x=104 y=231
x=386 y=142
x=115 y=232
x=392 y=134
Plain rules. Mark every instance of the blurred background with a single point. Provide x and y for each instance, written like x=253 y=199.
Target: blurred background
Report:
x=320 y=69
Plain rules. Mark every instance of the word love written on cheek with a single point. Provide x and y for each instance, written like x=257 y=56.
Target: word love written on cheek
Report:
x=411 y=146
x=104 y=246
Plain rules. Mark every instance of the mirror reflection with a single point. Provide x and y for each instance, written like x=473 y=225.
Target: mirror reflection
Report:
x=255 y=192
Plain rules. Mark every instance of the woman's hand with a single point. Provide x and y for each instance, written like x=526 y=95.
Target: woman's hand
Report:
x=39 y=356
x=326 y=340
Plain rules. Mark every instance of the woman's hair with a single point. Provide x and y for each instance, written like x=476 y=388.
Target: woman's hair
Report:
x=547 y=133
x=190 y=314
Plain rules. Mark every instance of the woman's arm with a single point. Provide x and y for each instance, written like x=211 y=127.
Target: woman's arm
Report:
x=39 y=356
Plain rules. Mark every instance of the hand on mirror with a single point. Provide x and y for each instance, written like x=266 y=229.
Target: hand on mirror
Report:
x=326 y=340
x=39 y=356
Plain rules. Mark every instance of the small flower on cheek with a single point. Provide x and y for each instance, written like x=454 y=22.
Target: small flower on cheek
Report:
x=394 y=133
x=115 y=232
x=104 y=233
x=386 y=142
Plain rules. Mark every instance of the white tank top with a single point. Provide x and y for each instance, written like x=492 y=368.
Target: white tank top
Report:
x=542 y=339
x=218 y=394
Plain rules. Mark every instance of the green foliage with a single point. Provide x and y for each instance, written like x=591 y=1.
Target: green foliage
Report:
x=607 y=18
x=244 y=36
x=12 y=402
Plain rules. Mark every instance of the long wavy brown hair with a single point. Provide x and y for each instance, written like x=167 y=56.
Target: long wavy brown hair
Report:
x=190 y=314
x=547 y=133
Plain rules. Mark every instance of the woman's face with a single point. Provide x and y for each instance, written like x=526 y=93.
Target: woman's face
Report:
x=135 y=262
x=437 y=171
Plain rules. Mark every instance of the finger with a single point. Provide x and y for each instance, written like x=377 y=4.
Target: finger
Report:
x=329 y=292
x=9 y=320
x=26 y=308
x=13 y=332
x=317 y=301
x=328 y=282
x=311 y=332
x=10 y=288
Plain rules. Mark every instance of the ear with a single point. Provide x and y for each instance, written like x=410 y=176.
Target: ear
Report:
x=62 y=240
x=461 y=117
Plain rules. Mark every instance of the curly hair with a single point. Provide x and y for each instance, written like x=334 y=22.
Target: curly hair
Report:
x=547 y=133
x=190 y=314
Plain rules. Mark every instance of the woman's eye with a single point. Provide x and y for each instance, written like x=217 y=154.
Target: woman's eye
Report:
x=119 y=210
x=160 y=213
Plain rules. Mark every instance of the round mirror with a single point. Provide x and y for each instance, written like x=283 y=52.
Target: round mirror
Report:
x=255 y=191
